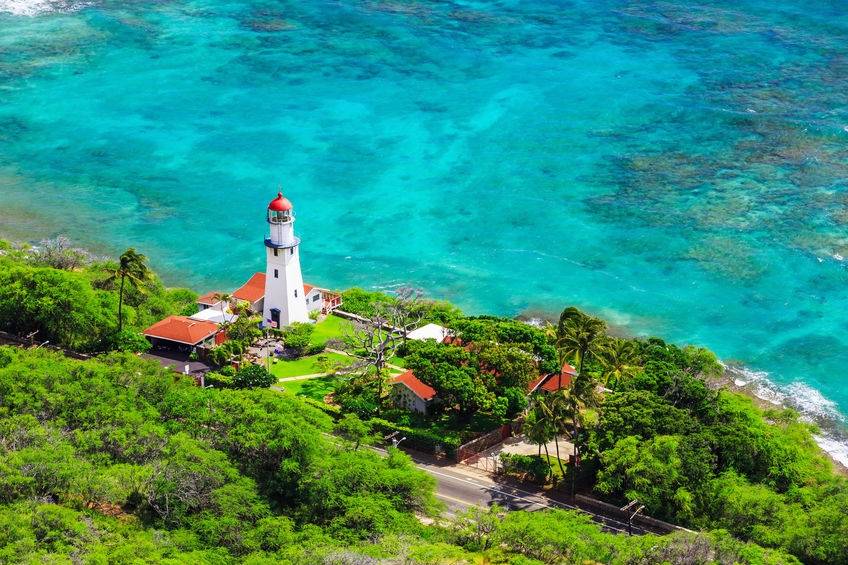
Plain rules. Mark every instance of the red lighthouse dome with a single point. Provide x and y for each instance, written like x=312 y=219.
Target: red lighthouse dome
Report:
x=280 y=204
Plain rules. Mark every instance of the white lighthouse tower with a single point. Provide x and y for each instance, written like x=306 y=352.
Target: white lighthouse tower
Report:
x=284 y=297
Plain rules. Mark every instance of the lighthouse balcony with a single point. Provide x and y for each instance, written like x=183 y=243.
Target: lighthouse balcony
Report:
x=294 y=242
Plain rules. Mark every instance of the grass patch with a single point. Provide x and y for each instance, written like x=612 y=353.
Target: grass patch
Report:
x=306 y=365
x=332 y=327
x=316 y=388
x=399 y=361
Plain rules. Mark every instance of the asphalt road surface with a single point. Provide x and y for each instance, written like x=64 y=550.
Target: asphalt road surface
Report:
x=460 y=490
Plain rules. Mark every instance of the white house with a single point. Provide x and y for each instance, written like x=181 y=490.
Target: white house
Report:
x=410 y=393
x=215 y=315
x=430 y=331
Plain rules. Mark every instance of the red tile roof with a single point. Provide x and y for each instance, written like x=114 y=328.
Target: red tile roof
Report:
x=182 y=330
x=453 y=340
x=210 y=298
x=421 y=390
x=252 y=290
x=551 y=382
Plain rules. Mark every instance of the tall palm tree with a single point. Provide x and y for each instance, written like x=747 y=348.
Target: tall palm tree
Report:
x=579 y=337
x=619 y=359
x=555 y=411
x=132 y=267
x=538 y=429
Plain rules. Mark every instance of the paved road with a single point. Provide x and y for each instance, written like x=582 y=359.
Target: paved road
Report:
x=459 y=490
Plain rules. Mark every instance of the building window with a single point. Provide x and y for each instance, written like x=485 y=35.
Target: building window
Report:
x=317 y=298
x=295 y=293
x=292 y=251
x=275 y=252
x=276 y=274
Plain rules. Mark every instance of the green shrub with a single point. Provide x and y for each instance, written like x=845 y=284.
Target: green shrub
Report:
x=128 y=340
x=424 y=440
x=297 y=337
x=253 y=376
x=531 y=467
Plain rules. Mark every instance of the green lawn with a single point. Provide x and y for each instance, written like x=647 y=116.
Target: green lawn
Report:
x=316 y=388
x=305 y=365
x=332 y=327
x=399 y=361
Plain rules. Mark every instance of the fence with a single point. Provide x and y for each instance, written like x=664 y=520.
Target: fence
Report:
x=645 y=522
x=491 y=439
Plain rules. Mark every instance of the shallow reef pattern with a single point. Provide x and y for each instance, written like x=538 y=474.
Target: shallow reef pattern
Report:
x=677 y=167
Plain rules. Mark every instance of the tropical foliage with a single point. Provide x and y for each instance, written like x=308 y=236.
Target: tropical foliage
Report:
x=118 y=460
x=71 y=299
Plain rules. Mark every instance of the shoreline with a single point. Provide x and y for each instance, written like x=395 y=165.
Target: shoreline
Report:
x=832 y=438
x=768 y=396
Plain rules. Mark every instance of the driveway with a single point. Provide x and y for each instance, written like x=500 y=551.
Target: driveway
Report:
x=490 y=462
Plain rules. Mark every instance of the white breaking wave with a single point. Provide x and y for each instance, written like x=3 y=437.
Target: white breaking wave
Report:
x=813 y=406
x=38 y=7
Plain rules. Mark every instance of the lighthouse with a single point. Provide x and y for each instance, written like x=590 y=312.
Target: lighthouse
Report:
x=285 y=301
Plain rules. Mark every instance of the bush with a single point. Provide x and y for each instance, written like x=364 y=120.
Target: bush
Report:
x=363 y=302
x=332 y=411
x=253 y=376
x=128 y=340
x=531 y=467
x=298 y=336
x=516 y=401
x=424 y=440
x=219 y=379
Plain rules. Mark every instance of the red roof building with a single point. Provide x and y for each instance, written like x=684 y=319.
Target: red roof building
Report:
x=421 y=390
x=183 y=331
x=552 y=382
x=253 y=290
x=210 y=298
x=410 y=393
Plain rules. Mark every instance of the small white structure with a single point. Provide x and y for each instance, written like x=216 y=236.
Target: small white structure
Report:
x=410 y=393
x=430 y=331
x=321 y=299
x=214 y=315
x=285 y=300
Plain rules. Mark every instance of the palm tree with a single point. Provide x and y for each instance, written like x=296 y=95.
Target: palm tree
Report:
x=224 y=299
x=538 y=429
x=579 y=336
x=554 y=409
x=132 y=267
x=619 y=359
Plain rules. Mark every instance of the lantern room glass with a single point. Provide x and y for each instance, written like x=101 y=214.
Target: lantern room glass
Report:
x=279 y=216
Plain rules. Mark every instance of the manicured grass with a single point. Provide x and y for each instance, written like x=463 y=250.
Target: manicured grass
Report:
x=332 y=327
x=399 y=361
x=316 y=388
x=305 y=365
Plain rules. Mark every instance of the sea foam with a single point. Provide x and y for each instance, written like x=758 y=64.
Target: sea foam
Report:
x=813 y=406
x=38 y=7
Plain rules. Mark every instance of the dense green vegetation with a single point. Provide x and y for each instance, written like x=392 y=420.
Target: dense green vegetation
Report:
x=117 y=460
x=73 y=299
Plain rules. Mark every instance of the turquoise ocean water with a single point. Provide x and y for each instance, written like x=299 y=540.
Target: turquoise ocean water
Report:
x=679 y=167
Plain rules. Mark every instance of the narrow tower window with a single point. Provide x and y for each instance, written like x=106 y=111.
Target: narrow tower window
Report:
x=276 y=274
x=295 y=293
x=275 y=252
x=292 y=251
